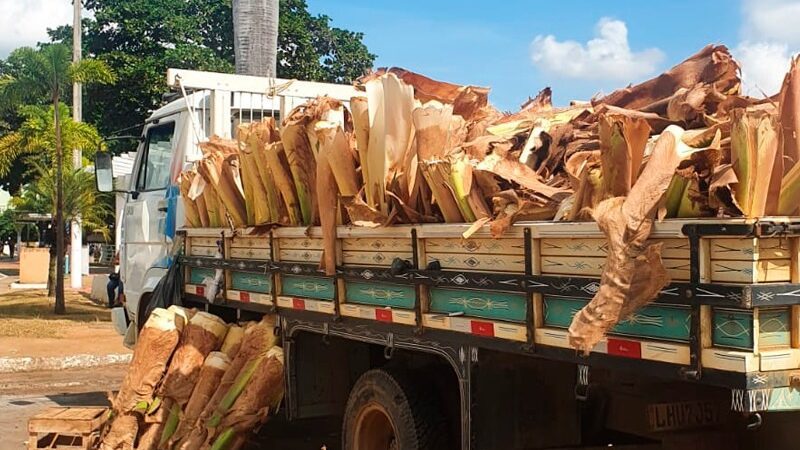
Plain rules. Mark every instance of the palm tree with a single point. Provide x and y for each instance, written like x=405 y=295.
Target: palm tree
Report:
x=255 y=37
x=47 y=73
x=80 y=198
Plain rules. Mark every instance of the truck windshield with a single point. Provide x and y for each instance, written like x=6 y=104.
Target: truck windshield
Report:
x=154 y=168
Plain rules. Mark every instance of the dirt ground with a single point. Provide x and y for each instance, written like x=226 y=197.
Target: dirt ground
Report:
x=29 y=328
x=23 y=395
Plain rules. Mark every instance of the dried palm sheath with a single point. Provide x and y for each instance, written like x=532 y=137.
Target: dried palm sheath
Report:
x=375 y=162
x=790 y=113
x=517 y=172
x=218 y=171
x=261 y=395
x=401 y=157
x=437 y=174
x=232 y=186
x=790 y=123
x=260 y=135
x=712 y=65
x=302 y=164
x=214 y=368
x=334 y=147
x=256 y=201
x=328 y=207
x=203 y=334
x=233 y=340
x=468 y=101
x=361 y=214
x=275 y=161
x=277 y=209
x=202 y=211
x=622 y=143
x=122 y=432
x=191 y=212
x=214 y=208
x=256 y=339
x=756 y=149
x=196 y=194
x=586 y=177
x=155 y=346
x=360 y=110
x=461 y=180
x=633 y=273
x=432 y=124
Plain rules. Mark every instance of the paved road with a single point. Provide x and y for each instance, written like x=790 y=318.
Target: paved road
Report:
x=25 y=394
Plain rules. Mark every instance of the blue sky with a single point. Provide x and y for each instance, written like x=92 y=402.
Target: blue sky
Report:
x=492 y=43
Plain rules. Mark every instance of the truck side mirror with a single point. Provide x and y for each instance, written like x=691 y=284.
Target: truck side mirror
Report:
x=103 y=172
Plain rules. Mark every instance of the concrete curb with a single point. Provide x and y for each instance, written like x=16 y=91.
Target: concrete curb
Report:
x=29 y=364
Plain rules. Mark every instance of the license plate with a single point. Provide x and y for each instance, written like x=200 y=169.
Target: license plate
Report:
x=682 y=415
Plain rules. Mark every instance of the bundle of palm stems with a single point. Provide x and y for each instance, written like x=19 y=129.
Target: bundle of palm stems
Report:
x=411 y=149
x=196 y=383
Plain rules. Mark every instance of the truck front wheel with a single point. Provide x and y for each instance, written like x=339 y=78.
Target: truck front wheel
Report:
x=385 y=411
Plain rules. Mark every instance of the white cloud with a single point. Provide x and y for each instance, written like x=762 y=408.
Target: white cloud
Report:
x=770 y=36
x=606 y=57
x=763 y=66
x=771 y=20
x=24 y=23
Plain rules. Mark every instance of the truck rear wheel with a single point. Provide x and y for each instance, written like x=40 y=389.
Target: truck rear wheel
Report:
x=385 y=411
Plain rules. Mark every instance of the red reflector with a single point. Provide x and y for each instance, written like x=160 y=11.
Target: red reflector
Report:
x=200 y=290
x=298 y=303
x=482 y=328
x=244 y=296
x=628 y=349
x=384 y=315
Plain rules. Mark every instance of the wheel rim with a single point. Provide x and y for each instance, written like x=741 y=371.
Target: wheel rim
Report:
x=374 y=429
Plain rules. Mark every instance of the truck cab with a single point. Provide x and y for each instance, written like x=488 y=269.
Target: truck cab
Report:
x=207 y=104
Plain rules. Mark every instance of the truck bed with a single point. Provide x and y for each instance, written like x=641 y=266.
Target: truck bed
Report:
x=729 y=317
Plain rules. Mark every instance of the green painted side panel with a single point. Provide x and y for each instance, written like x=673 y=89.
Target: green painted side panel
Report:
x=198 y=275
x=783 y=399
x=251 y=282
x=733 y=328
x=381 y=294
x=317 y=288
x=485 y=304
x=774 y=327
x=654 y=321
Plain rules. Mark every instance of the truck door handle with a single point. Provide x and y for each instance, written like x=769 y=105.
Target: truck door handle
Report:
x=162 y=209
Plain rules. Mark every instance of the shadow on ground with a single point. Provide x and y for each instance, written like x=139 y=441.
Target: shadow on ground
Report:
x=81 y=399
x=305 y=434
x=30 y=304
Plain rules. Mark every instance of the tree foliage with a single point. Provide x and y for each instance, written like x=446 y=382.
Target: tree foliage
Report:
x=140 y=39
x=35 y=138
x=44 y=75
x=80 y=198
x=29 y=79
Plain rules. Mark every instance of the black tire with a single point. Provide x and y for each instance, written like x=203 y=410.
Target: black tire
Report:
x=385 y=411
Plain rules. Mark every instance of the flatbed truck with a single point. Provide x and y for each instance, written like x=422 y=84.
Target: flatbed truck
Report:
x=423 y=339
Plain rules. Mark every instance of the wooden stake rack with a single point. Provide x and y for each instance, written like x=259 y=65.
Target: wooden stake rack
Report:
x=730 y=317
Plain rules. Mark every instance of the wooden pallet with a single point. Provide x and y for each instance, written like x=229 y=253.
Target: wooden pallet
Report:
x=66 y=427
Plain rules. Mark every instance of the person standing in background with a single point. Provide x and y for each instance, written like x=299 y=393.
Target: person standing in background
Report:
x=115 y=283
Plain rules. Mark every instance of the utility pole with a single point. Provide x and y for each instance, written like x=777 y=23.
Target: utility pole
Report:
x=76 y=238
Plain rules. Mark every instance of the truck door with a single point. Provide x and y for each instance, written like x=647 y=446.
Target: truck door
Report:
x=144 y=239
